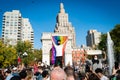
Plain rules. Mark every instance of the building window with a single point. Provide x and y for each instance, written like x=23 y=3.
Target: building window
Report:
x=11 y=16
x=8 y=16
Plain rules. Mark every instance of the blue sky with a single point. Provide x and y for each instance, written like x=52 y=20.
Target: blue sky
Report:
x=84 y=15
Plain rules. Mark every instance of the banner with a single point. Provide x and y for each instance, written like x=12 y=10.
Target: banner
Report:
x=58 y=46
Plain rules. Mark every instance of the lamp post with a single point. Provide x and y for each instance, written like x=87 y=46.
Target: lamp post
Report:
x=25 y=54
x=25 y=59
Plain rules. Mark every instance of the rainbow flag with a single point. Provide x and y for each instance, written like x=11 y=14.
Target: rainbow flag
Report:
x=53 y=55
x=62 y=39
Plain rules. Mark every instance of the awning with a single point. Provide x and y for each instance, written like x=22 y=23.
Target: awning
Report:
x=94 y=52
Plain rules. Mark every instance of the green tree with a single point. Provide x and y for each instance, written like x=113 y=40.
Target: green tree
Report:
x=7 y=55
x=115 y=35
x=10 y=56
x=21 y=48
x=32 y=57
x=103 y=42
x=38 y=54
x=2 y=46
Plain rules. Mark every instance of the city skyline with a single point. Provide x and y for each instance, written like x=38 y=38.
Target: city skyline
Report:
x=83 y=14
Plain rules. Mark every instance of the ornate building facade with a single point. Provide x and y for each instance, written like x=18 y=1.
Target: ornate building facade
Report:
x=63 y=28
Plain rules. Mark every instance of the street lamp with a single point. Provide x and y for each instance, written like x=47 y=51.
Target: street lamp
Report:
x=25 y=54
x=25 y=59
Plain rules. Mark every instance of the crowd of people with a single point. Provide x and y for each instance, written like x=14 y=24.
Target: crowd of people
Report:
x=42 y=71
x=35 y=72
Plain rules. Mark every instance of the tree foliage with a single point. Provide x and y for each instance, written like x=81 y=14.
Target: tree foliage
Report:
x=23 y=46
x=35 y=56
x=38 y=55
x=115 y=35
x=7 y=55
x=2 y=46
x=103 y=42
x=26 y=46
x=10 y=56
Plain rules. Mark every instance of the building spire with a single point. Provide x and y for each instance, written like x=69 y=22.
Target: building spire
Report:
x=62 y=8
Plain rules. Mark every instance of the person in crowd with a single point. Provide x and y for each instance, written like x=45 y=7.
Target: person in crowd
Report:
x=100 y=74
x=35 y=67
x=1 y=75
x=70 y=73
x=115 y=68
x=87 y=68
x=96 y=62
x=30 y=74
x=20 y=67
x=8 y=74
x=39 y=73
x=15 y=78
x=116 y=75
x=15 y=72
x=59 y=51
x=58 y=74
x=114 y=71
x=80 y=76
x=45 y=75
x=23 y=74
x=87 y=64
x=93 y=76
x=88 y=73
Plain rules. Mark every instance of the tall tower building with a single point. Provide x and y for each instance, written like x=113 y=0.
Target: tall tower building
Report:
x=93 y=38
x=13 y=27
x=64 y=26
x=27 y=31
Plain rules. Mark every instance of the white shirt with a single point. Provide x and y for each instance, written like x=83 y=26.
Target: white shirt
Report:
x=104 y=78
x=59 y=50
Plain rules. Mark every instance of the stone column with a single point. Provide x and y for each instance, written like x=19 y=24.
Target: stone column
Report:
x=46 y=47
x=68 y=53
